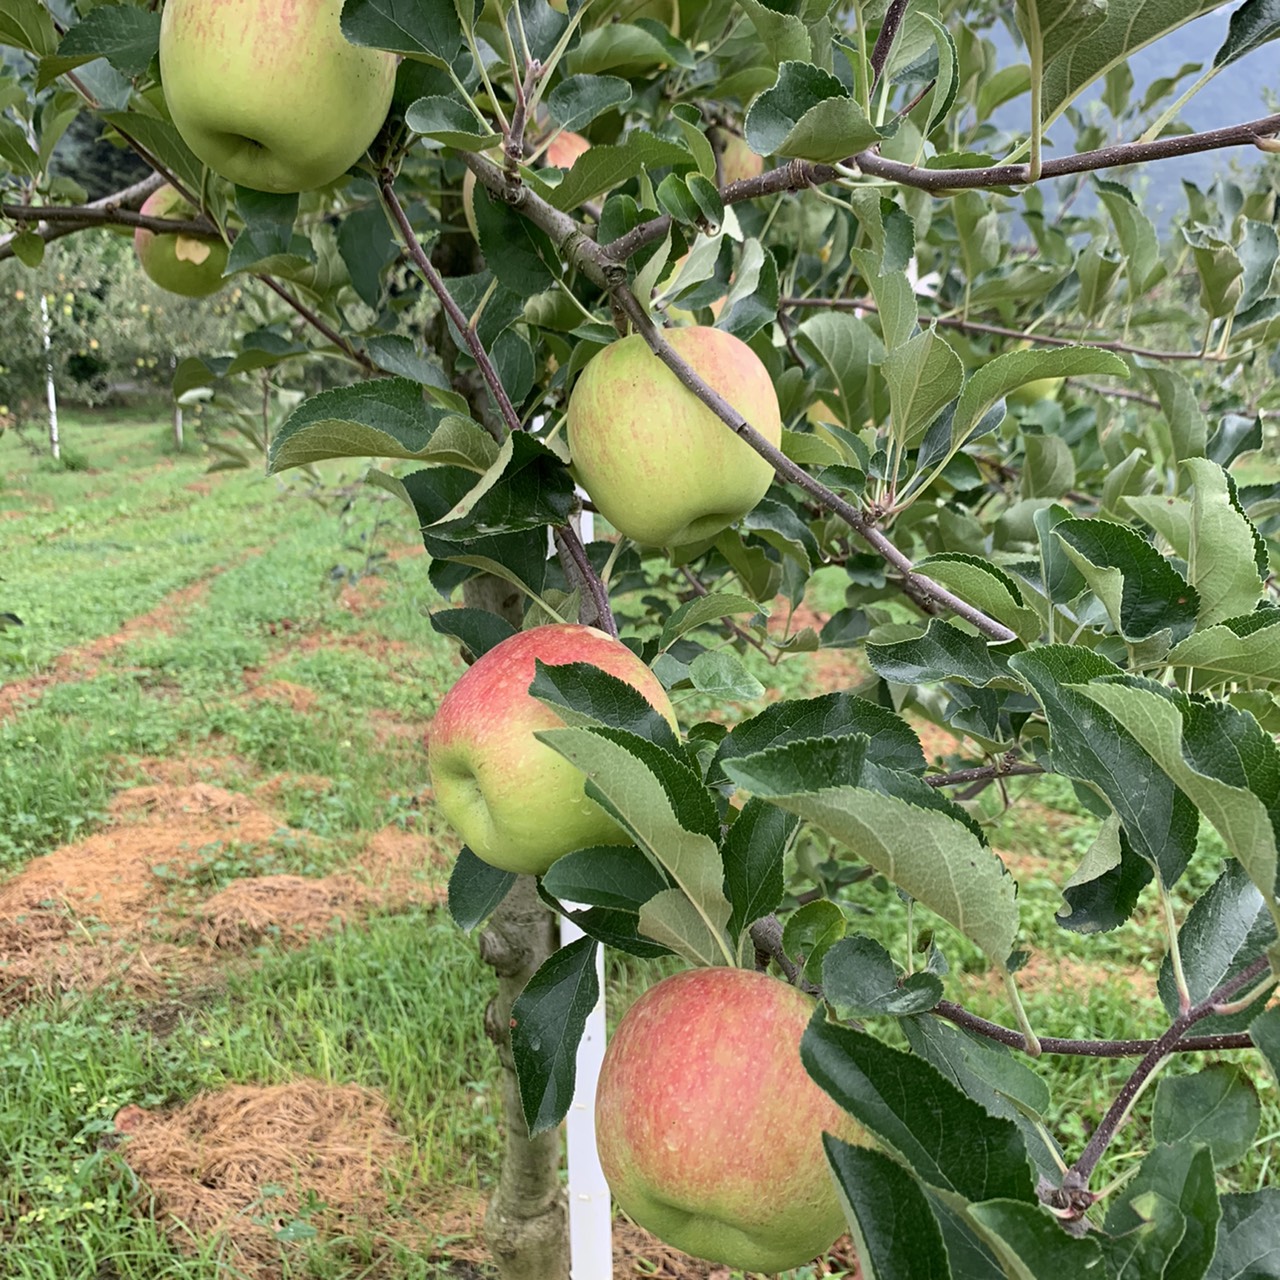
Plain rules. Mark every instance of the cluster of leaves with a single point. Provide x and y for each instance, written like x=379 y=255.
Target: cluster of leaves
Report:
x=1130 y=636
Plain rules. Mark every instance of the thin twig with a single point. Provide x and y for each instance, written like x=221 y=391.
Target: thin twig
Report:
x=695 y=582
x=1000 y=331
x=884 y=41
x=321 y=326
x=983 y=773
x=130 y=197
x=1077 y=1180
x=105 y=215
x=566 y=537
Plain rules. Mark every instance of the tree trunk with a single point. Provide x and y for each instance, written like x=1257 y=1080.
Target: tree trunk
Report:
x=177 y=412
x=527 y=1223
x=51 y=392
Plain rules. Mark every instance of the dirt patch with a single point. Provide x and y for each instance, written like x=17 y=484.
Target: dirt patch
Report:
x=244 y=1162
x=278 y=784
x=84 y=661
x=389 y=729
x=405 y=867
x=296 y=697
x=182 y=771
x=284 y=908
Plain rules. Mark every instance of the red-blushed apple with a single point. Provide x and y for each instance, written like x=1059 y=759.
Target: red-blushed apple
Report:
x=709 y=1128
x=189 y=265
x=270 y=93
x=658 y=464
x=515 y=802
x=737 y=160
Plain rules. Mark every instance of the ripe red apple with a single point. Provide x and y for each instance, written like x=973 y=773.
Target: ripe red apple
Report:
x=659 y=465
x=710 y=1129
x=271 y=94
x=189 y=265
x=516 y=803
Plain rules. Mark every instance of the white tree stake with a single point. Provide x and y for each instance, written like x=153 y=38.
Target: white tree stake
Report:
x=590 y=1221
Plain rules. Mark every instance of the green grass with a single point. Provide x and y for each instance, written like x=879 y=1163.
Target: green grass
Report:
x=397 y=1003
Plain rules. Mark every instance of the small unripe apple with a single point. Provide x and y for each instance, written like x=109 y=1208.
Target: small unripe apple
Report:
x=189 y=265
x=271 y=94
x=709 y=1128
x=737 y=160
x=660 y=466
x=516 y=803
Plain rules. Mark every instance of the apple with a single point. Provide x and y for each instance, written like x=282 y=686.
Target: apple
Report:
x=658 y=464
x=563 y=150
x=737 y=160
x=515 y=802
x=189 y=265
x=709 y=1128
x=271 y=95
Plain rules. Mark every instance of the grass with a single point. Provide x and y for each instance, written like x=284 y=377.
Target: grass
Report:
x=274 y=667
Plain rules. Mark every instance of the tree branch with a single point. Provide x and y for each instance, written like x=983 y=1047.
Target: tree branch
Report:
x=129 y=198
x=796 y=175
x=320 y=325
x=888 y=34
x=983 y=773
x=92 y=215
x=1000 y=331
x=567 y=535
x=1075 y=1185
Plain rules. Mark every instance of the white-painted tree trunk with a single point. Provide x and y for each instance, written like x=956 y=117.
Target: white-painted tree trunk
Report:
x=177 y=411
x=51 y=392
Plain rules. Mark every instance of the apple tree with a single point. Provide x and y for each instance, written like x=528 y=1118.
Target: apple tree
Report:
x=874 y=288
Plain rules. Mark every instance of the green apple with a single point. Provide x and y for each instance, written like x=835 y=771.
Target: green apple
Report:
x=189 y=265
x=709 y=1128
x=516 y=803
x=737 y=160
x=658 y=464
x=271 y=94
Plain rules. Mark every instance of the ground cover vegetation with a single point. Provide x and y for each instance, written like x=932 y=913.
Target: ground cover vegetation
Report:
x=958 y=573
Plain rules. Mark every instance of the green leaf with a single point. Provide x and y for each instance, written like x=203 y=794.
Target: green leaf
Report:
x=1166 y=1216
x=429 y=33
x=1227 y=655
x=810 y=932
x=625 y=782
x=475 y=890
x=1236 y=434
x=924 y=376
x=944 y=652
x=617 y=877
x=1248 y=1237
x=928 y=852
x=547 y=1021
x=396 y=354
x=28 y=248
x=1220 y=269
x=163 y=141
x=754 y=854
x=1049 y=469
x=1219 y=757
x=1140 y=590
x=26 y=24
x=1226 y=930
x=1228 y=561
x=892 y=742
x=701 y=610
x=1031 y=1243
x=987 y=587
x=1139 y=248
x=844 y=345
x=1188 y=430
x=808 y=114
x=948 y=1140
x=584 y=695
x=1051 y=27
x=577 y=100
x=127 y=37
x=268 y=242
x=1265 y=1030
x=1259 y=251
x=386 y=418
x=783 y=35
x=1217 y=1106
x=723 y=675
x=366 y=246
x=628 y=47
x=520 y=255
x=860 y=980
x=478 y=629
x=605 y=167
x=897 y=1236
x=1129 y=25
x=450 y=123
x=1252 y=25
x=1159 y=821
